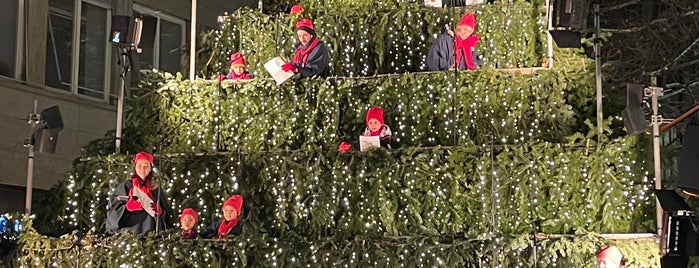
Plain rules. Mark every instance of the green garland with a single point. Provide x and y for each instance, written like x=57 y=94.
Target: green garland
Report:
x=368 y=40
x=486 y=158
x=483 y=107
x=73 y=250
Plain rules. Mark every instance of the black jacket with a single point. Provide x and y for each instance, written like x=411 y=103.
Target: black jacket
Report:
x=317 y=63
x=138 y=222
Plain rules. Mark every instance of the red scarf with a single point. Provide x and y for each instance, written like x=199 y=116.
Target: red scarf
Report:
x=234 y=76
x=301 y=55
x=144 y=186
x=376 y=133
x=464 y=47
x=225 y=227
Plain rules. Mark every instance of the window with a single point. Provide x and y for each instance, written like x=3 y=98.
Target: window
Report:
x=59 y=44
x=161 y=50
x=170 y=46
x=93 y=51
x=79 y=54
x=8 y=37
x=77 y=65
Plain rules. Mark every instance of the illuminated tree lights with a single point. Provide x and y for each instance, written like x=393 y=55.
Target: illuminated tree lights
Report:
x=487 y=158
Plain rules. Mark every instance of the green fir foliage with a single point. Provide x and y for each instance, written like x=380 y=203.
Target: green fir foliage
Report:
x=494 y=168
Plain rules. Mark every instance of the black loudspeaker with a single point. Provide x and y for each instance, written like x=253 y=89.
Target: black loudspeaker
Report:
x=634 y=117
x=52 y=117
x=122 y=29
x=689 y=160
x=566 y=39
x=570 y=14
x=634 y=120
x=46 y=139
x=669 y=261
x=147 y=38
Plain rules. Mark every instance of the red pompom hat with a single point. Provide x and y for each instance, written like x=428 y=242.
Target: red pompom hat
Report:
x=189 y=211
x=468 y=20
x=143 y=156
x=296 y=9
x=237 y=59
x=375 y=113
x=306 y=25
x=236 y=201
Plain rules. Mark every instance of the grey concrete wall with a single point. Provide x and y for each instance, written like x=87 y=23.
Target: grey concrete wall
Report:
x=84 y=121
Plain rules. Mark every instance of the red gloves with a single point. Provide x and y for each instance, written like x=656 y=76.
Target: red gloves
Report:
x=289 y=67
x=221 y=77
x=344 y=147
x=133 y=205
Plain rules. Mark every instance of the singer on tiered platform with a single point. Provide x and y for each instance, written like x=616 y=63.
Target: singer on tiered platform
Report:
x=140 y=205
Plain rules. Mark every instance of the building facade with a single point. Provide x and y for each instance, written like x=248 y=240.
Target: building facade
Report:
x=59 y=52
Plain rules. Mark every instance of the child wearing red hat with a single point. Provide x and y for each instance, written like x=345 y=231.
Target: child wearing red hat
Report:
x=188 y=222
x=610 y=257
x=238 y=69
x=375 y=126
x=457 y=49
x=231 y=224
x=128 y=211
x=311 y=54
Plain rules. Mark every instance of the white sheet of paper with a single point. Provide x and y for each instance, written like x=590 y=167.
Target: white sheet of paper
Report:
x=145 y=200
x=274 y=68
x=368 y=142
x=433 y=3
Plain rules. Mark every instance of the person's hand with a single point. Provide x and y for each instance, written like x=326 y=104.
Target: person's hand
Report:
x=450 y=32
x=289 y=67
x=221 y=77
x=344 y=147
x=157 y=209
x=133 y=205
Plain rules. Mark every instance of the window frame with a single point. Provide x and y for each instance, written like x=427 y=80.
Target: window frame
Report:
x=75 y=50
x=159 y=15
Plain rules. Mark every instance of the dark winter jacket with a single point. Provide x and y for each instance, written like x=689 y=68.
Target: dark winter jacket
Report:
x=317 y=63
x=441 y=54
x=138 y=222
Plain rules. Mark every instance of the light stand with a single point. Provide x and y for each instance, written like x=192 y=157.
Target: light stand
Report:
x=598 y=73
x=656 y=120
x=34 y=119
x=124 y=62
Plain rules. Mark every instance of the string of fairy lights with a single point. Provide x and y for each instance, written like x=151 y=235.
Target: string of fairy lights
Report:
x=384 y=41
x=503 y=175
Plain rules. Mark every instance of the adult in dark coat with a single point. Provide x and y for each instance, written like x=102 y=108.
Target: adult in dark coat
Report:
x=311 y=54
x=459 y=45
x=127 y=212
x=231 y=224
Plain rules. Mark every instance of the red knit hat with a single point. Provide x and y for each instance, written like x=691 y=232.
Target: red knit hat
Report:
x=304 y=23
x=143 y=156
x=468 y=20
x=237 y=59
x=611 y=254
x=191 y=212
x=375 y=113
x=296 y=9
x=236 y=201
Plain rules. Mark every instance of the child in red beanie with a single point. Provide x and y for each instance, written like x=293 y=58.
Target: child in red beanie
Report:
x=375 y=126
x=231 y=224
x=188 y=222
x=238 y=69
x=456 y=49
